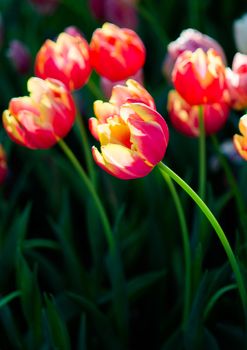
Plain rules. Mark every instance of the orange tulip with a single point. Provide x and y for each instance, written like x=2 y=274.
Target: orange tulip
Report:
x=199 y=77
x=116 y=53
x=237 y=82
x=41 y=119
x=3 y=165
x=185 y=118
x=133 y=139
x=67 y=60
x=240 y=141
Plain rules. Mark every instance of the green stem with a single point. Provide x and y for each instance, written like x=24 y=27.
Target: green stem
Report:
x=202 y=154
x=215 y=298
x=186 y=246
x=232 y=183
x=86 y=149
x=220 y=233
x=91 y=189
x=97 y=93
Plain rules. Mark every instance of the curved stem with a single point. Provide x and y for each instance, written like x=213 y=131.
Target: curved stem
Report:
x=202 y=155
x=220 y=233
x=186 y=246
x=86 y=149
x=216 y=296
x=90 y=187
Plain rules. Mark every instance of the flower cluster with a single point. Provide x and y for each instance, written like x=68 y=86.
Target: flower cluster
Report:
x=196 y=64
x=62 y=66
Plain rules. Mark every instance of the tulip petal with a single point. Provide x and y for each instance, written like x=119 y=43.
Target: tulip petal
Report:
x=121 y=162
x=104 y=110
x=240 y=143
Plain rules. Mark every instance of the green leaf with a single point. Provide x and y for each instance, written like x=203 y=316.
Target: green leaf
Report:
x=30 y=298
x=138 y=285
x=57 y=328
x=209 y=340
x=119 y=293
x=82 y=344
x=101 y=323
x=7 y=298
x=8 y=321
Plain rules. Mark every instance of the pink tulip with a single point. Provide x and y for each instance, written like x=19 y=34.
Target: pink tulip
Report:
x=185 y=118
x=189 y=39
x=132 y=142
x=236 y=79
x=41 y=119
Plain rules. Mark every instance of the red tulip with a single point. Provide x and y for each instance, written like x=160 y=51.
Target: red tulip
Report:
x=116 y=53
x=199 y=77
x=44 y=117
x=67 y=60
x=189 y=39
x=185 y=118
x=237 y=82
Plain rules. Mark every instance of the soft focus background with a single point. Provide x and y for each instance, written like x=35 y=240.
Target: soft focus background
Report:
x=55 y=290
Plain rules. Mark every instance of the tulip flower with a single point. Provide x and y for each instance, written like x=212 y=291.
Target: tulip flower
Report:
x=20 y=56
x=132 y=92
x=3 y=165
x=236 y=79
x=119 y=12
x=44 y=117
x=107 y=85
x=240 y=34
x=133 y=138
x=185 y=118
x=189 y=39
x=199 y=77
x=240 y=141
x=45 y=7
x=67 y=60
x=116 y=53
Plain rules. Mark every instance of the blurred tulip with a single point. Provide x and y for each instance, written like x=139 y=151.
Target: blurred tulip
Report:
x=185 y=118
x=240 y=141
x=116 y=53
x=19 y=56
x=119 y=12
x=132 y=141
x=199 y=77
x=44 y=117
x=3 y=165
x=67 y=60
x=240 y=34
x=236 y=79
x=73 y=31
x=189 y=39
x=107 y=85
x=45 y=7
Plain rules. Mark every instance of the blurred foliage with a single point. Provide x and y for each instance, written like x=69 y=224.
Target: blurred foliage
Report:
x=59 y=286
